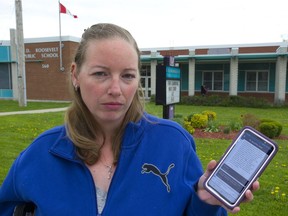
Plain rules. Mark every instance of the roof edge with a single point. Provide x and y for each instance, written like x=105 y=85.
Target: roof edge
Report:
x=51 y=39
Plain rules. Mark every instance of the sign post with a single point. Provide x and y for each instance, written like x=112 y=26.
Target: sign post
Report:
x=168 y=87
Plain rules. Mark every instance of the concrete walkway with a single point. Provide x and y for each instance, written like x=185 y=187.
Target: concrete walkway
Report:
x=33 y=111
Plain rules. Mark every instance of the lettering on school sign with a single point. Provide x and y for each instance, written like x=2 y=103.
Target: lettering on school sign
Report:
x=42 y=54
x=167 y=85
x=172 y=91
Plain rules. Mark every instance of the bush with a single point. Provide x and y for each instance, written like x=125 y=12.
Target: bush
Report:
x=226 y=130
x=269 y=129
x=280 y=127
x=187 y=125
x=277 y=124
x=204 y=120
x=210 y=114
x=199 y=121
x=227 y=101
x=250 y=120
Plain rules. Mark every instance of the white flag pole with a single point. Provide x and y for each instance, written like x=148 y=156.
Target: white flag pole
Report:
x=60 y=39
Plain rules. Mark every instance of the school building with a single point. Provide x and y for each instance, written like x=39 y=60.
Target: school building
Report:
x=258 y=70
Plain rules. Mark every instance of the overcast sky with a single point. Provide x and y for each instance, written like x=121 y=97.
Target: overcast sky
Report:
x=157 y=23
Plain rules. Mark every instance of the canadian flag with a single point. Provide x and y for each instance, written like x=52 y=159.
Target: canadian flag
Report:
x=64 y=10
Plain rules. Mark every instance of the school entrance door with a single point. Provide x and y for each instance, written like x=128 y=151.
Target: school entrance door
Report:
x=146 y=80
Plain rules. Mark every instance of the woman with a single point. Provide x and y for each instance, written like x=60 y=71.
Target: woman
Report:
x=110 y=158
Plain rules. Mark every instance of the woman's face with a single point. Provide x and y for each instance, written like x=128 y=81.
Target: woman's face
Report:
x=108 y=79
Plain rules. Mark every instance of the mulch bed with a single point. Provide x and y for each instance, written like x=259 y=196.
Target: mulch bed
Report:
x=199 y=133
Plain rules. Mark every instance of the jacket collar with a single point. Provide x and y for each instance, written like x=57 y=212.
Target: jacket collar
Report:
x=63 y=146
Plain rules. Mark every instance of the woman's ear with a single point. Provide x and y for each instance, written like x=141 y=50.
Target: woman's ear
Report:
x=74 y=75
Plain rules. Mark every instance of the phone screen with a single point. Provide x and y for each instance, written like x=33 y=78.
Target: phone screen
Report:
x=242 y=162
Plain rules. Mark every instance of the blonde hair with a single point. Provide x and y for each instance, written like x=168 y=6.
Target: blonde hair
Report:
x=81 y=127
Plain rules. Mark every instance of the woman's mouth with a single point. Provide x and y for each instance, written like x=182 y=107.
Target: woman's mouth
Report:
x=113 y=105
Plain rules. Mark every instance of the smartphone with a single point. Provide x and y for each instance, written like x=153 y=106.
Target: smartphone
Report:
x=243 y=162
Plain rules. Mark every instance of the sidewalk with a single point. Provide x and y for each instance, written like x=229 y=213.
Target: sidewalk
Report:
x=33 y=111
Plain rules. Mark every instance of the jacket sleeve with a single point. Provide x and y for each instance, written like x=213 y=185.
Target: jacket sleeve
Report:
x=197 y=207
x=8 y=195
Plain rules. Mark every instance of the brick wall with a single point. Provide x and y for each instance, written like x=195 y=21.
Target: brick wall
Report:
x=264 y=49
x=44 y=79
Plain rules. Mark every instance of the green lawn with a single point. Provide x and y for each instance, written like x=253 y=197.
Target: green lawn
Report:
x=18 y=131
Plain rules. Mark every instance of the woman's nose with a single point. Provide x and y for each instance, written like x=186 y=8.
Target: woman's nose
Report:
x=114 y=88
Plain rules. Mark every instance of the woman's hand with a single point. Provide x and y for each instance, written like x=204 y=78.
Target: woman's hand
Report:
x=208 y=198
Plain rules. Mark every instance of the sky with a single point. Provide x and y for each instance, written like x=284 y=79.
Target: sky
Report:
x=156 y=23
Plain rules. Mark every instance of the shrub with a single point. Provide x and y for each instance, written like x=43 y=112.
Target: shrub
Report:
x=210 y=114
x=205 y=120
x=224 y=100
x=277 y=124
x=269 y=129
x=250 y=120
x=187 y=125
x=213 y=100
x=199 y=121
x=195 y=100
x=227 y=130
x=280 y=127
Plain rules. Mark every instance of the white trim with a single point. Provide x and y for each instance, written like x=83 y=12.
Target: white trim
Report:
x=51 y=39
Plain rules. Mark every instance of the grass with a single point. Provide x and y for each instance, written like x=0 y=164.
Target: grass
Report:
x=18 y=131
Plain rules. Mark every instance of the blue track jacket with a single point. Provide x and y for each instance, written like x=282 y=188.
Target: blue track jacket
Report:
x=155 y=175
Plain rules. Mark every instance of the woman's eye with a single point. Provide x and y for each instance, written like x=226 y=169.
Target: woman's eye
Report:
x=100 y=74
x=129 y=76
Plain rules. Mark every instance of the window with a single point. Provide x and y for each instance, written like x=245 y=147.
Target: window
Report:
x=213 y=80
x=257 y=80
x=5 y=76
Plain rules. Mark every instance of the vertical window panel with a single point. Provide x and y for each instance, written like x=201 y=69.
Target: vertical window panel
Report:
x=213 y=80
x=257 y=80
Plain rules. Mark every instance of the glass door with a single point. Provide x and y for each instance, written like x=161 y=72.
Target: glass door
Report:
x=146 y=80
